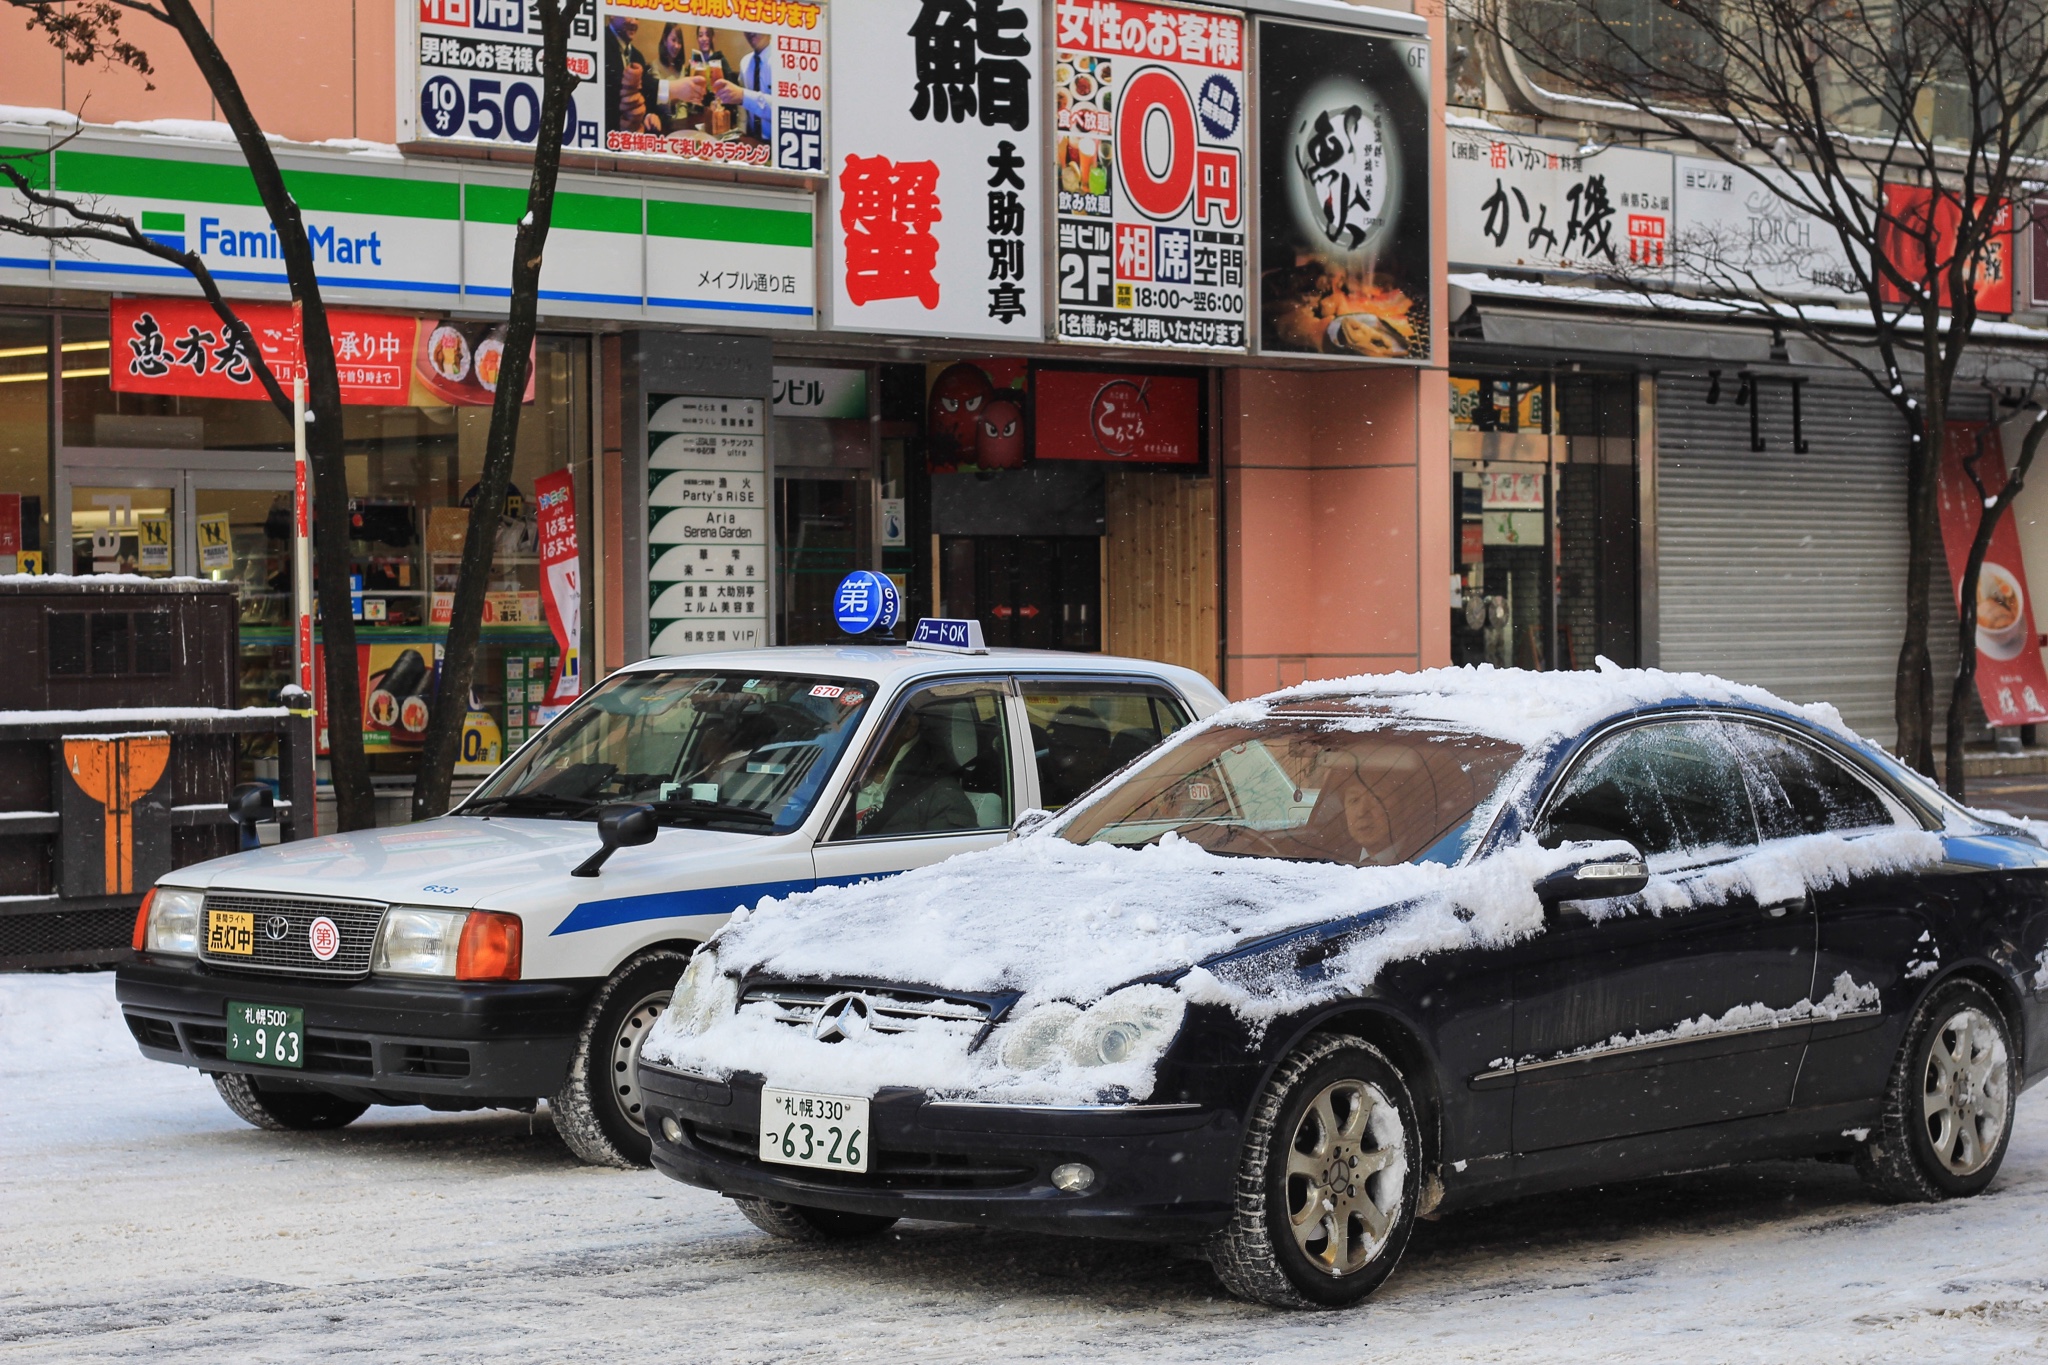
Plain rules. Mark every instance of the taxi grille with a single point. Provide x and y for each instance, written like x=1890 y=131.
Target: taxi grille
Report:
x=885 y=1011
x=281 y=942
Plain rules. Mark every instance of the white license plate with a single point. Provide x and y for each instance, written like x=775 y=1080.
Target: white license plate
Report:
x=799 y=1128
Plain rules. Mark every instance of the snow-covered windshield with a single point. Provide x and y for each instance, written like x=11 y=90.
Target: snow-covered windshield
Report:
x=731 y=749
x=1306 y=788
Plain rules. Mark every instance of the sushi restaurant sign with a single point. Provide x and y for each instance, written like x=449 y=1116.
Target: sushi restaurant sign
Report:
x=179 y=346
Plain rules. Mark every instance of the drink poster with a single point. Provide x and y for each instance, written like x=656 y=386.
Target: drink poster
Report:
x=1344 y=237
x=2011 y=680
x=707 y=525
x=937 y=168
x=1149 y=120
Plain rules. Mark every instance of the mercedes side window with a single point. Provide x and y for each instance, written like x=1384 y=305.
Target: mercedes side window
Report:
x=1672 y=788
x=1082 y=732
x=943 y=766
x=1800 y=790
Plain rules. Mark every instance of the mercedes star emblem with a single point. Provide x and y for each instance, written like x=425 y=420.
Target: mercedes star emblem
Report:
x=276 y=927
x=843 y=1016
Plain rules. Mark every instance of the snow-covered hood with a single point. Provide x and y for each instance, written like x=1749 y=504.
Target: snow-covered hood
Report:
x=468 y=862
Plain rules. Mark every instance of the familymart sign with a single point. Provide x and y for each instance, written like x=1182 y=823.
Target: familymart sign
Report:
x=389 y=232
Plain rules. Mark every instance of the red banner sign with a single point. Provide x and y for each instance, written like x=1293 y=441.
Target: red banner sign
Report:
x=2010 y=677
x=1913 y=216
x=1126 y=418
x=179 y=346
x=561 y=582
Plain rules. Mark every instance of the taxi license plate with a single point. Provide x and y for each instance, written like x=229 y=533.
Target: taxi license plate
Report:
x=270 y=1035
x=799 y=1128
x=231 y=932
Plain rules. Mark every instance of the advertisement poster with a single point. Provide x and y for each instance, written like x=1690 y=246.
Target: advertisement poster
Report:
x=398 y=684
x=1911 y=214
x=1536 y=203
x=2010 y=678
x=1149 y=121
x=561 y=582
x=477 y=75
x=1119 y=417
x=1735 y=231
x=937 y=168
x=751 y=95
x=1344 y=234
x=707 y=525
x=976 y=415
x=179 y=346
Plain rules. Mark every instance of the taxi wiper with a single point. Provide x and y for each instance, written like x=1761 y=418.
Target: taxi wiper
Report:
x=710 y=810
x=531 y=803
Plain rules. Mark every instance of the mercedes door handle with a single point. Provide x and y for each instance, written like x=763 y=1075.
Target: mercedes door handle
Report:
x=1779 y=909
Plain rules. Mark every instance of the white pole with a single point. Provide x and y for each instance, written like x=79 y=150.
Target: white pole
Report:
x=302 y=541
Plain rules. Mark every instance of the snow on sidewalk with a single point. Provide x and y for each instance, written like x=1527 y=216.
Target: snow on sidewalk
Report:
x=138 y=1218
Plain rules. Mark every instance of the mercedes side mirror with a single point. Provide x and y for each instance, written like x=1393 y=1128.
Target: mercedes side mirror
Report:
x=1610 y=874
x=619 y=827
x=251 y=804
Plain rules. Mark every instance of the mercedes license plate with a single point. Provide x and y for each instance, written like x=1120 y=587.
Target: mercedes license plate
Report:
x=272 y=1035
x=802 y=1129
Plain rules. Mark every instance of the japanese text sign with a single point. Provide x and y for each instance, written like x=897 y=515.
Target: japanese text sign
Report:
x=1118 y=417
x=1918 y=233
x=561 y=579
x=1149 y=119
x=1344 y=212
x=937 y=168
x=474 y=74
x=1537 y=203
x=1736 y=231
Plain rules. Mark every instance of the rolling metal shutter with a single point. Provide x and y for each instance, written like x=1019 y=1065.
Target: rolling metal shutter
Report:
x=1782 y=569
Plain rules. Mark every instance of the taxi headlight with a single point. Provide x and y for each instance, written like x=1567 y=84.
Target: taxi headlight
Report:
x=1134 y=1024
x=703 y=996
x=173 y=923
x=415 y=941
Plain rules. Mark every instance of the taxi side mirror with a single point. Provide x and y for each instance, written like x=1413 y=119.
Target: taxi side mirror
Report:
x=1610 y=874
x=619 y=827
x=251 y=804
x=1029 y=821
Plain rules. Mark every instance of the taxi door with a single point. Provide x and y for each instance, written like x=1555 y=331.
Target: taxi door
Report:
x=940 y=778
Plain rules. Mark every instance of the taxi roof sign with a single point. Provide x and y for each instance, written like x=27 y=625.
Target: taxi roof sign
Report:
x=955 y=637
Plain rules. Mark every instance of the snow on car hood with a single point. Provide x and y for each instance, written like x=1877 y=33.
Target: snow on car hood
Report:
x=1059 y=922
x=464 y=862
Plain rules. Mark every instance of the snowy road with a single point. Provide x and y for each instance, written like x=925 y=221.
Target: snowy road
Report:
x=140 y=1220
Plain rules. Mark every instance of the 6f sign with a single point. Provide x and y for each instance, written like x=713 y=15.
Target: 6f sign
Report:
x=1160 y=165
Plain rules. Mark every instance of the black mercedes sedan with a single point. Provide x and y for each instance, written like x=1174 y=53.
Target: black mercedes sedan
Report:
x=1360 y=952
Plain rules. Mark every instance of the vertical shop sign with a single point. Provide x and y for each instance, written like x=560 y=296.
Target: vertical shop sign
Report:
x=1536 y=202
x=1344 y=236
x=707 y=525
x=1149 y=122
x=561 y=580
x=2037 y=234
x=937 y=168
x=2011 y=680
x=1917 y=224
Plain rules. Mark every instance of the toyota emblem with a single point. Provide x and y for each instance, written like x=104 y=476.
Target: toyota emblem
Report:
x=276 y=927
x=843 y=1016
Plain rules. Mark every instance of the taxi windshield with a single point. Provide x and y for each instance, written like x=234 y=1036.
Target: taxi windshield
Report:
x=732 y=750
x=1307 y=789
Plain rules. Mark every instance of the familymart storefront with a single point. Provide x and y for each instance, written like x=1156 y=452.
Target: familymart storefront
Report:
x=135 y=439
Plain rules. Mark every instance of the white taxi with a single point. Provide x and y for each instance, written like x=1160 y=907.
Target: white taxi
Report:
x=518 y=948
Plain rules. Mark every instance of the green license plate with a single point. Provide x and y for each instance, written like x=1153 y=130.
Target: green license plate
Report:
x=272 y=1035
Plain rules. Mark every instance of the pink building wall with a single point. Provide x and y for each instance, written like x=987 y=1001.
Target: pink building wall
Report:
x=312 y=70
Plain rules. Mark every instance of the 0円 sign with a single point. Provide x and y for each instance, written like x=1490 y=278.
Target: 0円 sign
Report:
x=1149 y=125
x=936 y=168
x=725 y=82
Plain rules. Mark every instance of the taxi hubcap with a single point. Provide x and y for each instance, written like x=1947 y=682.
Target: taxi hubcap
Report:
x=626 y=1054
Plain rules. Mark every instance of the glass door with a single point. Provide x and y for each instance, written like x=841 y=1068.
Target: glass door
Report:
x=240 y=531
x=125 y=523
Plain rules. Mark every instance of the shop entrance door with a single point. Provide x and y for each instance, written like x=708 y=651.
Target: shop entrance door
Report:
x=1029 y=592
x=227 y=524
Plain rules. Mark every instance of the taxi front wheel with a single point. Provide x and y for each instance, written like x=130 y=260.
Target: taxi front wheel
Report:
x=598 y=1109
x=303 y=1111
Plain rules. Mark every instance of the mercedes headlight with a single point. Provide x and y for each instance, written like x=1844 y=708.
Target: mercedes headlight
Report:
x=171 y=920
x=703 y=997
x=1133 y=1025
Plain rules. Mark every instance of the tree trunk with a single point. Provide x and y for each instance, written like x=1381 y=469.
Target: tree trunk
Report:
x=343 y=712
x=458 y=666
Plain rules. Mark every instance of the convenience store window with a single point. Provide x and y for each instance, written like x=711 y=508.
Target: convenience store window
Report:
x=24 y=438
x=1545 y=525
x=221 y=468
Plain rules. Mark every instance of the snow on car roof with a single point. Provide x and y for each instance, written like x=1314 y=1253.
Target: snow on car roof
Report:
x=1524 y=707
x=879 y=663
